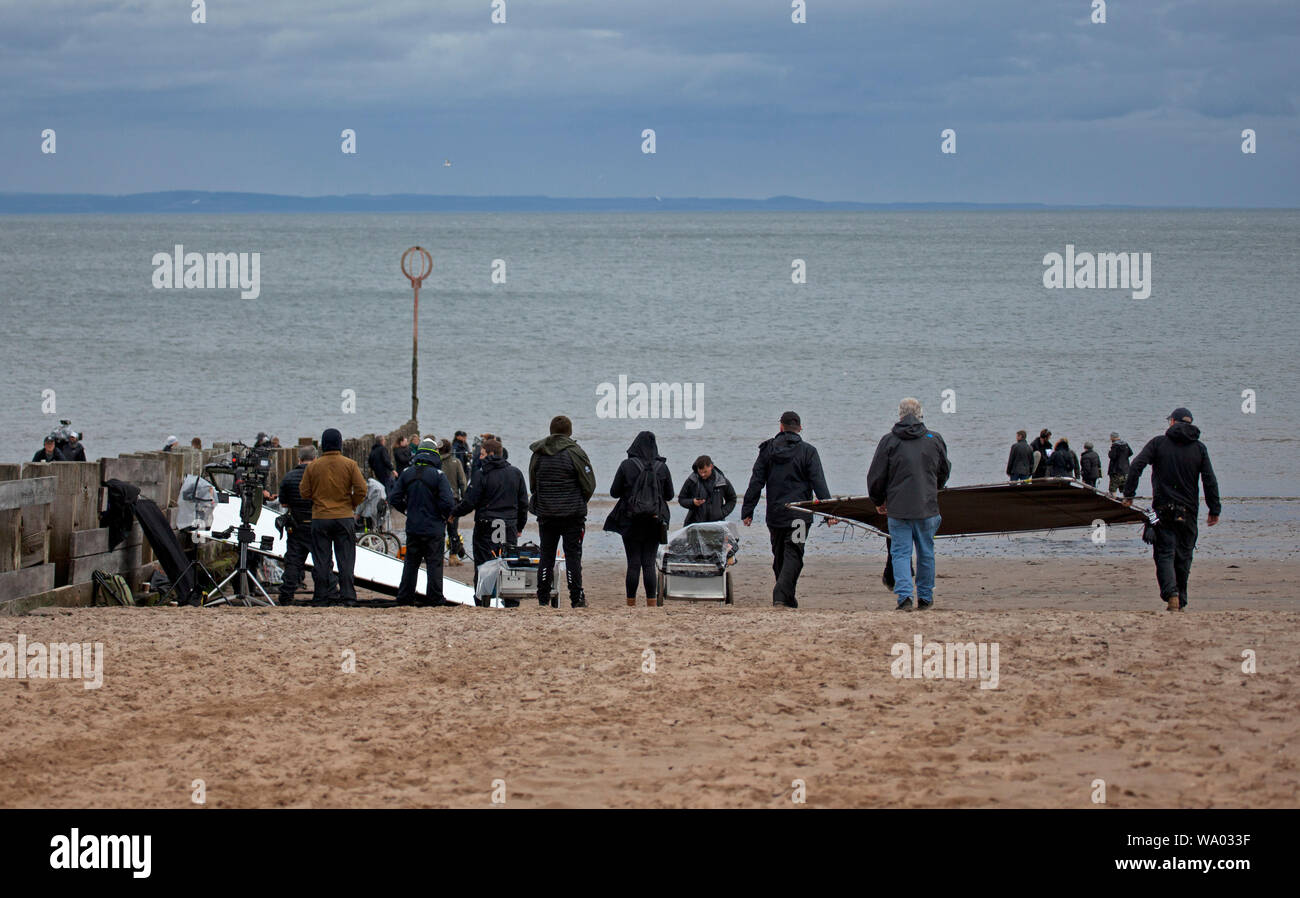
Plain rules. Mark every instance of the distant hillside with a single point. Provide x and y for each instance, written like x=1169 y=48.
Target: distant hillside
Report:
x=206 y=201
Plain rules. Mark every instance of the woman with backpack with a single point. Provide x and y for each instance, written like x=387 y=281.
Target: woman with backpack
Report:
x=1064 y=463
x=707 y=495
x=643 y=486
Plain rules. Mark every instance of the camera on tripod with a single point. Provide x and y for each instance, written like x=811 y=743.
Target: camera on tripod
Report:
x=249 y=470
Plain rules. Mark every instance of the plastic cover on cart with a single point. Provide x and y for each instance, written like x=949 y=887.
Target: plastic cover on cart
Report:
x=197 y=500
x=715 y=542
x=489 y=576
x=375 y=500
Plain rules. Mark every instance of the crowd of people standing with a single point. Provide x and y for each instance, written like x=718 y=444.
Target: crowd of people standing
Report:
x=435 y=483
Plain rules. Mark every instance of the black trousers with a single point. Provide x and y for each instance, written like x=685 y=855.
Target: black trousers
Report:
x=553 y=531
x=295 y=557
x=787 y=563
x=333 y=540
x=641 y=547
x=426 y=549
x=1174 y=546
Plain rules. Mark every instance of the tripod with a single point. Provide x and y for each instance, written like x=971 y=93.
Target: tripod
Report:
x=242 y=575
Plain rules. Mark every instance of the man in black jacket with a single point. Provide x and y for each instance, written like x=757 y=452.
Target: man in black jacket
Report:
x=1118 y=467
x=299 y=539
x=1020 y=463
x=707 y=495
x=423 y=494
x=561 y=481
x=48 y=452
x=381 y=463
x=909 y=468
x=499 y=499
x=73 y=450
x=790 y=470
x=1090 y=466
x=1178 y=459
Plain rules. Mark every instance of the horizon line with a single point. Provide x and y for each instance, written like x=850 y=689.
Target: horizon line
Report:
x=231 y=201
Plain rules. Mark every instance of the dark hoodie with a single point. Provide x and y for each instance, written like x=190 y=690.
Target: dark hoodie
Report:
x=791 y=471
x=1177 y=460
x=559 y=477
x=497 y=492
x=642 y=454
x=1090 y=465
x=717 y=492
x=909 y=468
x=1063 y=463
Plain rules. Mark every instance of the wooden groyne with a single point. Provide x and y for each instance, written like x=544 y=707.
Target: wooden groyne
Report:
x=50 y=539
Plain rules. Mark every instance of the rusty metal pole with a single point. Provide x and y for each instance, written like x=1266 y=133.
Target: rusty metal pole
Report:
x=425 y=262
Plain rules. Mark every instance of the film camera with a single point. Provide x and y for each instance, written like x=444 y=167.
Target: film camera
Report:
x=247 y=472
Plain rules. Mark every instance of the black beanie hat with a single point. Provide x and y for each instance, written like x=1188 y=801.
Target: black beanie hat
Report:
x=331 y=440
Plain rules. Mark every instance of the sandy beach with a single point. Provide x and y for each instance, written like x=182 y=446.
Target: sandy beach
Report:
x=1095 y=682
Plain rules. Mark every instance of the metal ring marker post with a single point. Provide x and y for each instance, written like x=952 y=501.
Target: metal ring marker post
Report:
x=425 y=262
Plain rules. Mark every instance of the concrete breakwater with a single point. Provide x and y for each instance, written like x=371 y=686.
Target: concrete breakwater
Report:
x=50 y=539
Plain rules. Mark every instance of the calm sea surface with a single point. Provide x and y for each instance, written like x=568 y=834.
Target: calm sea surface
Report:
x=895 y=304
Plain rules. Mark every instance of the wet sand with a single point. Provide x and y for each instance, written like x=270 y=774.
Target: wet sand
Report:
x=1095 y=682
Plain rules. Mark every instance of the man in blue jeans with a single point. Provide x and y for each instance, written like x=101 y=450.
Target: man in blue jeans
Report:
x=909 y=468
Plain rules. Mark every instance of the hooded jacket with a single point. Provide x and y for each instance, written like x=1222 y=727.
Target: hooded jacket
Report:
x=423 y=494
x=717 y=492
x=791 y=471
x=497 y=492
x=1020 y=463
x=642 y=454
x=1090 y=465
x=1177 y=460
x=1120 y=453
x=334 y=485
x=560 y=478
x=1063 y=463
x=909 y=468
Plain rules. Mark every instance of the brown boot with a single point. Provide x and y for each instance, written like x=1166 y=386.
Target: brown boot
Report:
x=631 y=601
x=651 y=602
x=1173 y=603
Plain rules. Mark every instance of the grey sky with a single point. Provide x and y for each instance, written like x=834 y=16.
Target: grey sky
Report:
x=1147 y=108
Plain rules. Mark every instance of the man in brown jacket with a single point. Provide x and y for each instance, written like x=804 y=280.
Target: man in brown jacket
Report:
x=335 y=487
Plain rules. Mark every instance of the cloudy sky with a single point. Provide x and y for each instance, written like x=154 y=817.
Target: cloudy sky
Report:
x=1048 y=107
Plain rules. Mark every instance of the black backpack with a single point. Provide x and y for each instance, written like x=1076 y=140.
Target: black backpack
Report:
x=645 y=499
